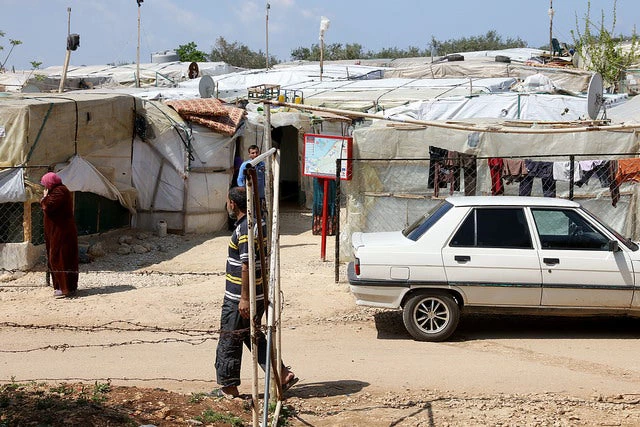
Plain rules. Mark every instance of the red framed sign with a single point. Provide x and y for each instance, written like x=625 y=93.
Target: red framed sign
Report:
x=321 y=153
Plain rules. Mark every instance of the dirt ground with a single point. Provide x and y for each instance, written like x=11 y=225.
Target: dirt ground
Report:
x=136 y=346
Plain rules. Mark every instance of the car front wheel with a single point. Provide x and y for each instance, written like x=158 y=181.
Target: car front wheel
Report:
x=431 y=316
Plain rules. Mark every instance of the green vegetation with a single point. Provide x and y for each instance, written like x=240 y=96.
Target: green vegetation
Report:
x=489 y=41
x=13 y=44
x=239 y=55
x=602 y=50
x=189 y=53
x=211 y=416
x=336 y=51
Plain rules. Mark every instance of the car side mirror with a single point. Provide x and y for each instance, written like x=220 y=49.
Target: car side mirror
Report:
x=612 y=246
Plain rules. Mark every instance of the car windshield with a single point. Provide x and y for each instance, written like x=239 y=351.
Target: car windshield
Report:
x=418 y=228
x=627 y=242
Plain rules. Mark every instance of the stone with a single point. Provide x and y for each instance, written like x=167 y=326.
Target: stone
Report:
x=96 y=250
x=126 y=239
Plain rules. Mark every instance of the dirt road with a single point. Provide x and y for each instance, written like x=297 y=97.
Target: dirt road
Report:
x=357 y=365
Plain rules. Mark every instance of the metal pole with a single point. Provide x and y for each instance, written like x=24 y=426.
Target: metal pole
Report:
x=551 y=28
x=267 y=33
x=572 y=170
x=252 y=301
x=337 y=248
x=138 y=51
x=321 y=55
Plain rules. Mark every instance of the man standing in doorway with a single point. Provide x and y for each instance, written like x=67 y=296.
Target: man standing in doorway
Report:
x=254 y=151
x=235 y=322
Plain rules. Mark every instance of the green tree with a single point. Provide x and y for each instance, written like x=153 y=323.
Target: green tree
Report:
x=239 y=55
x=13 y=44
x=489 y=41
x=602 y=50
x=189 y=53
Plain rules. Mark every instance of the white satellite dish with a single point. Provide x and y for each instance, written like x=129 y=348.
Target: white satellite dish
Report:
x=595 y=100
x=206 y=86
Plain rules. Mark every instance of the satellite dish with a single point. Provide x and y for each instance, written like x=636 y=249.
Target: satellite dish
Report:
x=595 y=100
x=206 y=87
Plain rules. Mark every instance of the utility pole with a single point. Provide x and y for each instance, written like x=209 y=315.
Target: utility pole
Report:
x=551 y=12
x=67 y=57
x=267 y=33
x=138 y=49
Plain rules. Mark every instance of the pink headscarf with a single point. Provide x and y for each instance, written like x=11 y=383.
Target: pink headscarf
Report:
x=50 y=179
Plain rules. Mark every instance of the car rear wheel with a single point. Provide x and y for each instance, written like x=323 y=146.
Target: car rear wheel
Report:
x=431 y=316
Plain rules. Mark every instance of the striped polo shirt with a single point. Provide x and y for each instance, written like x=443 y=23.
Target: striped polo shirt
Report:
x=239 y=254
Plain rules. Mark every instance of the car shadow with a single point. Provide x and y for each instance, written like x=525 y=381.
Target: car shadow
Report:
x=304 y=390
x=501 y=326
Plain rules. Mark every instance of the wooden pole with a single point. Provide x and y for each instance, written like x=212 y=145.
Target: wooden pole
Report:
x=67 y=57
x=488 y=128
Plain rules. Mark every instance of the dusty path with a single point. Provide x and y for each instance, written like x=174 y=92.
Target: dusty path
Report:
x=357 y=366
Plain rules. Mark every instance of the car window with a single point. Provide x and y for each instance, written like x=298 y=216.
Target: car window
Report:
x=625 y=240
x=494 y=228
x=567 y=229
x=426 y=221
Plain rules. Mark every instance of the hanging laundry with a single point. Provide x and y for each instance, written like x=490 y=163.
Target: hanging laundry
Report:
x=514 y=170
x=601 y=168
x=542 y=170
x=496 y=165
x=562 y=171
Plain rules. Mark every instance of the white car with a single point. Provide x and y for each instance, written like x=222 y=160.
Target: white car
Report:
x=517 y=254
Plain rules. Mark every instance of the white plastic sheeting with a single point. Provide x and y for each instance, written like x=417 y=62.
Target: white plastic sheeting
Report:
x=532 y=107
x=80 y=175
x=12 y=186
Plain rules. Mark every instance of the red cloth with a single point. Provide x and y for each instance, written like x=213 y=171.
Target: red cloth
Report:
x=496 y=165
x=61 y=239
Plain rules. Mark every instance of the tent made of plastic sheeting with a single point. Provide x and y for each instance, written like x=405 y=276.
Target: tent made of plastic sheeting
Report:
x=182 y=173
x=567 y=78
x=44 y=129
x=386 y=195
x=627 y=112
x=522 y=106
x=167 y=74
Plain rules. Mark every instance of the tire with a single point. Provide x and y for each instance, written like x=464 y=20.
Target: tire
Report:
x=431 y=316
x=455 y=57
x=503 y=58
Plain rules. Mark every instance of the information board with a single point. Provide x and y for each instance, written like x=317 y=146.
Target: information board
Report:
x=321 y=153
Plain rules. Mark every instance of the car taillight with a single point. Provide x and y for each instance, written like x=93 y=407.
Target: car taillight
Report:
x=356 y=265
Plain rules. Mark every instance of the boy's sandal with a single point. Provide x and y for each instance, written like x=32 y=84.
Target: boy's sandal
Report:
x=293 y=381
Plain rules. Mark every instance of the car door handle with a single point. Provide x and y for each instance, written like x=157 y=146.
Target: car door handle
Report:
x=462 y=258
x=551 y=261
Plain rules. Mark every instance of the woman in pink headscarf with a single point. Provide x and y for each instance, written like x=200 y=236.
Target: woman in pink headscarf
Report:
x=61 y=235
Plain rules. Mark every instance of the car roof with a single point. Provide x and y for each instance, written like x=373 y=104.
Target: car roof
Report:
x=510 y=201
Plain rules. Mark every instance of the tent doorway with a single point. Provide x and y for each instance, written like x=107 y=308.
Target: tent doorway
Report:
x=287 y=139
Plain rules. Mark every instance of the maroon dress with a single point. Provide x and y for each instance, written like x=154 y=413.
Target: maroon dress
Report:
x=61 y=238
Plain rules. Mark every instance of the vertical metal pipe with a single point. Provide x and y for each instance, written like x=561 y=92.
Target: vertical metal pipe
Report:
x=337 y=204
x=252 y=300
x=572 y=159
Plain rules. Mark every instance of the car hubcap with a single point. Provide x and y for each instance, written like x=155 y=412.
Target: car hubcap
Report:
x=431 y=315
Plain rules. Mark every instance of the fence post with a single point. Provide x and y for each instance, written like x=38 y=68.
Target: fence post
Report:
x=572 y=159
x=337 y=248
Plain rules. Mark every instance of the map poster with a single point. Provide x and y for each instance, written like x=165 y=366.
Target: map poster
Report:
x=321 y=153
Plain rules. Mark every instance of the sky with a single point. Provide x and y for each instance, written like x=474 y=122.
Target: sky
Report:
x=108 y=29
